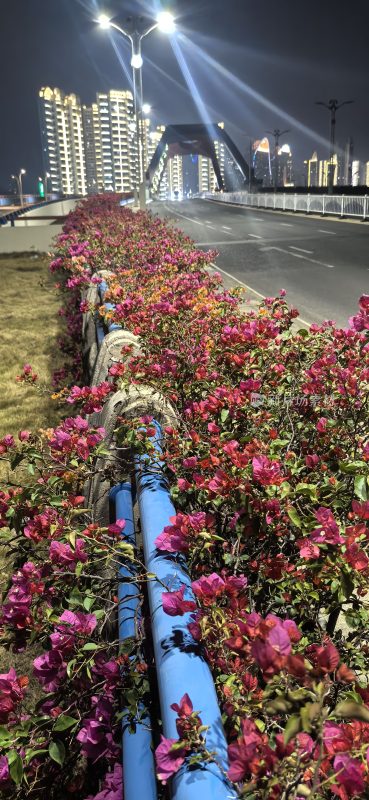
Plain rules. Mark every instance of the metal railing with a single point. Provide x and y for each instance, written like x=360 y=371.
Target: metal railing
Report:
x=339 y=205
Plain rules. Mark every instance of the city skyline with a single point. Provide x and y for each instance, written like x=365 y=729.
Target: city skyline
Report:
x=255 y=67
x=89 y=149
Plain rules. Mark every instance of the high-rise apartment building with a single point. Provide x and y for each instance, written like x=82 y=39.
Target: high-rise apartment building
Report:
x=356 y=179
x=261 y=162
x=62 y=140
x=116 y=134
x=328 y=167
x=207 y=177
x=349 y=153
x=174 y=172
x=90 y=148
x=313 y=170
x=367 y=173
x=284 y=166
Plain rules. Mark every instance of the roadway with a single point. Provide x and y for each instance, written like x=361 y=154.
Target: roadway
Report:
x=321 y=262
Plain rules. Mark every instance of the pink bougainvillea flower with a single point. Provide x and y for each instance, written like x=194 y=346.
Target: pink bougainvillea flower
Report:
x=337 y=738
x=349 y=774
x=50 y=670
x=11 y=692
x=4 y=770
x=174 y=603
x=265 y=471
x=64 y=556
x=329 y=532
x=361 y=509
x=245 y=754
x=111 y=788
x=308 y=550
x=321 y=425
x=117 y=527
x=169 y=759
x=210 y=587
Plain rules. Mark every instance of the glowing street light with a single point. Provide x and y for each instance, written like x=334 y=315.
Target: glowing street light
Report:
x=166 y=24
x=136 y=61
x=18 y=180
x=146 y=108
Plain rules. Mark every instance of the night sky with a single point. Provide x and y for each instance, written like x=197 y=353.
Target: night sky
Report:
x=255 y=65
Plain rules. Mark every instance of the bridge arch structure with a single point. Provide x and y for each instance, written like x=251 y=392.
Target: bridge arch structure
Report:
x=194 y=139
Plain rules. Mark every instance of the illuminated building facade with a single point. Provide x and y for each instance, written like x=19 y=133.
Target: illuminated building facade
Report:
x=90 y=148
x=261 y=161
x=356 y=179
x=284 y=166
x=153 y=141
x=62 y=141
x=326 y=167
x=116 y=135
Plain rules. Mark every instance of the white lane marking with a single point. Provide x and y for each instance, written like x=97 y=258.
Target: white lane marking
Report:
x=235 y=241
x=297 y=255
x=226 y=228
x=178 y=214
x=301 y=249
x=208 y=221
x=208 y=224
x=331 y=233
x=229 y=233
x=255 y=236
x=286 y=224
x=257 y=219
x=245 y=285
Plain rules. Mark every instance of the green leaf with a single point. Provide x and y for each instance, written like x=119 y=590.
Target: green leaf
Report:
x=294 y=517
x=307 y=488
x=353 y=466
x=57 y=751
x=88 y=603
x=63 y=722
x=12 y=756
x=224 y=414
x=90 y=646
x=349 y=710
x=30 y=754
x=76 y=598
x=360 y=487
x=16 y=769
x=292 y=728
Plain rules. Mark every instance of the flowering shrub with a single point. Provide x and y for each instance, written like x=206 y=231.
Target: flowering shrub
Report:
x=269 y=475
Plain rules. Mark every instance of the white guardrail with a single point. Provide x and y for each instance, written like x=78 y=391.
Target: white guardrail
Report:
x=338 y=204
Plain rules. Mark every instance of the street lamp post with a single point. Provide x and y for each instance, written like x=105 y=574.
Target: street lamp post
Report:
x=332 y=106
x=277 y=135
x=165 y=23
x=18 y=180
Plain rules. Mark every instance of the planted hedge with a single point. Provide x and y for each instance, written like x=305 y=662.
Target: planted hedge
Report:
x=269 y=475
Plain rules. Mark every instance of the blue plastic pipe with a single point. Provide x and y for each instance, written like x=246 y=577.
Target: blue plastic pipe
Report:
x=180 y=665
x=138 y=759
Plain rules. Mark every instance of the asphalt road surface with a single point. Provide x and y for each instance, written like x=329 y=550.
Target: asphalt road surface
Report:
x=322 y=263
